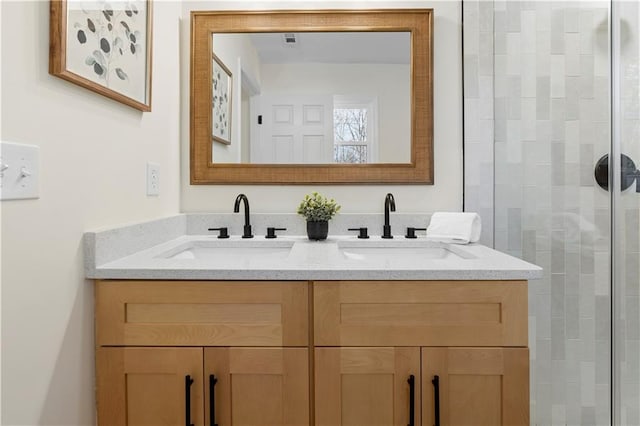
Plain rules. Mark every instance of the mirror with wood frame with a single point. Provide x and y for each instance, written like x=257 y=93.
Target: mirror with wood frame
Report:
x=300 y=97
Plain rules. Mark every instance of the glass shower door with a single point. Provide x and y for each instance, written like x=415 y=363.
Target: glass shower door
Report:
x=625 y=19
x=552 y=123
x=551 y=87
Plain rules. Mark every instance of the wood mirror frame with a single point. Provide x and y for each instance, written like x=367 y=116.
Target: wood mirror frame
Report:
x=419 y=22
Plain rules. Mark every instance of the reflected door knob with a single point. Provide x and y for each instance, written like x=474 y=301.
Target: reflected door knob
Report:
x=628 y=173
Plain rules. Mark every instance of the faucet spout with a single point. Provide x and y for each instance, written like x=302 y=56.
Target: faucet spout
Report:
x=236 y=209
x=389 y=205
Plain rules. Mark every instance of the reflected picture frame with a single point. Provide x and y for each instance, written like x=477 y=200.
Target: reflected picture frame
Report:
x=104 y=47
x=221 y=100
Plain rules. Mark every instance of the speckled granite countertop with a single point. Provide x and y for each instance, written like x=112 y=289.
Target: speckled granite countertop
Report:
x=176 y=248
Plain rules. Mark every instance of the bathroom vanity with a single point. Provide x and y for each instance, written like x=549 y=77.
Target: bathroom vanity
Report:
x=297 y=332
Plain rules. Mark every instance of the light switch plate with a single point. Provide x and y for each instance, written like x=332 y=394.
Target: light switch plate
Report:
x=153 y=179
x=19 y=171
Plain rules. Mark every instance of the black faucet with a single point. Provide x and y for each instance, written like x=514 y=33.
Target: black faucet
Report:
x=389 y=204
x=236 y=209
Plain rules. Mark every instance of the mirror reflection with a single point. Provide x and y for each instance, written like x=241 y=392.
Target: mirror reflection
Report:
x=311 y=97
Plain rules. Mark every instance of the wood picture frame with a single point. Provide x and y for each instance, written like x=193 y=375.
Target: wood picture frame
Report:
x=106 y=48
x=204 y=170
x=222 y=100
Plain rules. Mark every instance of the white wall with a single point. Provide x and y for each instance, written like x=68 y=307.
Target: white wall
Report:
x=390 y=84
x=446 y=194
x=93 y=154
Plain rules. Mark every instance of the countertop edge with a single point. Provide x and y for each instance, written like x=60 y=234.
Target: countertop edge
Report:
x=313 y=275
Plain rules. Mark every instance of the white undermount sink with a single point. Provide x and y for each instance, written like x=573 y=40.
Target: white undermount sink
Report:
x=260 y=252
x=230 y=251
x=404 y=251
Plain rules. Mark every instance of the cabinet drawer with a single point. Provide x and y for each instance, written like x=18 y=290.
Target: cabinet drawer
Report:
x=199 y=313
x=420 y=313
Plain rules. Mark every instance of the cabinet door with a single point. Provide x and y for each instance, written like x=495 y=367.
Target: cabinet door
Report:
x=147 y=386
x=366 y=386
x=476 y=386
x=257 y=386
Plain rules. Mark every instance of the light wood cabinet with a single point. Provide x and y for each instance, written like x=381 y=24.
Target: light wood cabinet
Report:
x=250 y=363
x=366 y=386
x=200 y=313
x=459 y=386
x=472 y=335
x=148 y=386
x=323 y=353
x=241 y=386
x=476 y=386
x=420 y=313
x=258 y=386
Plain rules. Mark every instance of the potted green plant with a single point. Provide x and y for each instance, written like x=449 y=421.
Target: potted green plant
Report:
x=317 y=210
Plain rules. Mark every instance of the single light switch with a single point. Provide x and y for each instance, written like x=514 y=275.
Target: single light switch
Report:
x=19 y=171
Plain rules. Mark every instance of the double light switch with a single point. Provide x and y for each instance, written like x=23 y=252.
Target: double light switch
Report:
x=19 y=171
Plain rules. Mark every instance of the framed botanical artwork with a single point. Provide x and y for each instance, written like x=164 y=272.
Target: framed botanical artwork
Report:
x=221 y=101
x=104 y=46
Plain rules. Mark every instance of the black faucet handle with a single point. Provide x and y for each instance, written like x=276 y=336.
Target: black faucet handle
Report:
x=223 y=232
x=411 y=232
x=271 y=232
x=363 y=232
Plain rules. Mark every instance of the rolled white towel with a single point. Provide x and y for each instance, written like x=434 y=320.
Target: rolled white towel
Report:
x=454 y=227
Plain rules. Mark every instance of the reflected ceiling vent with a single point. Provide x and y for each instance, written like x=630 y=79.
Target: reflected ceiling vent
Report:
x=290 y=39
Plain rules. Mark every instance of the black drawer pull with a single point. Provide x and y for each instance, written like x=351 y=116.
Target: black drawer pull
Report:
x=436 y=399
x=212 y=400
x=188 y=381
x=412 y=403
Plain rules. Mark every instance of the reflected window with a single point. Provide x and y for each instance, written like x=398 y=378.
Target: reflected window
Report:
x=353 y=134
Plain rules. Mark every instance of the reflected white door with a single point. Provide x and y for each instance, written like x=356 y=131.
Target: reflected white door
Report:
x=293 y=129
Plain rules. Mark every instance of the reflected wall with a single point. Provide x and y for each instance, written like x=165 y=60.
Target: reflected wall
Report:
x=297 y=84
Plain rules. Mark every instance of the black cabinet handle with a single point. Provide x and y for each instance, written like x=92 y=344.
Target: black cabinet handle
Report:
x=188 y=381
x=212 y=400
x=412 y=403
x=436 y=399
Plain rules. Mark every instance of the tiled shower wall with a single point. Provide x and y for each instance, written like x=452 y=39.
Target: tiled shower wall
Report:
x=478 y=59
x=536 y=78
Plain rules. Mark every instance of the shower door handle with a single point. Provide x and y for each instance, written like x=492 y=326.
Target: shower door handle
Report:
x=628 y=173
